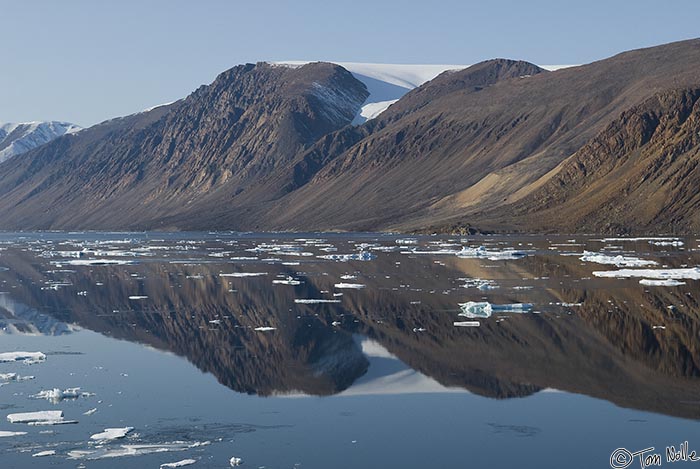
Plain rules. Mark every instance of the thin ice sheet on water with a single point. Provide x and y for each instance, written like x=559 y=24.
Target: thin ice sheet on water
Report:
x=692 y=273
x=309 y=301
x=6 y=434
x=351 y=286
x=134 y=450
x=181 y=463
x=660 y=283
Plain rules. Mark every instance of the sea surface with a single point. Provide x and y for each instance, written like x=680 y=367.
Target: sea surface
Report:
x=347 y=350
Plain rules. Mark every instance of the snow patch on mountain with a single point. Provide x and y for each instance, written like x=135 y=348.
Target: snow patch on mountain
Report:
x=16 y=139
x=387 y=83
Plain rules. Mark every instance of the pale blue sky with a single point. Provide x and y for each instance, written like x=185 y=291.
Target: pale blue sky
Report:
x=88 y=60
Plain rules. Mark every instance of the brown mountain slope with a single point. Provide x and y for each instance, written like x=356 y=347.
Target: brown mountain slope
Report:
x=216 y=143
x=466 y=151
x=640 y=174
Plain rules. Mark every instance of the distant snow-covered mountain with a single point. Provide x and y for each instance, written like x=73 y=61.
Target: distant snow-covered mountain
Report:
x=19 y=138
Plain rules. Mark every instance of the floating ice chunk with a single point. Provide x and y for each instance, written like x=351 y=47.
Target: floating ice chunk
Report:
x=265 y=329
x=667 y=243
x=484 y=309
x=692 y=273
x=658 y=327
x=466 y=323
x=34 y=417
x=287 y=281
x=360 y=256
x=407 y=241
x=26 y=357
x=138 y=297
x=650 y=239
x=348 y=277
x=243 y=274
x=91 y=411
x=234 y=461
x=492 y=255
x=619 y=260
x=55 y=395
x=14 y=377
x=184 y=462
x=111 y=434
x=308 y=301
x=215 y=321
x=355 y=286
x=4 y=434
x=42 y=454
x=661 y=283
x=133 y=450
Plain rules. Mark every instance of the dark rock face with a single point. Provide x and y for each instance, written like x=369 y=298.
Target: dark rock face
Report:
x=267 y=147
x=640 y=174
x=204 y=150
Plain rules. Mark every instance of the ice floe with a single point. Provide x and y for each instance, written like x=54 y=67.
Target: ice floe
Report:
x=42 y=454
x=6 y=377
x=490 y=254
x=359 y=256
x=265 y=329
x=134 y=450
x=692 y=273
x=6 y=434
x=661 y=283
x=111 y=434
x=243 y=274
x=286 y=281
x=309 y=301
x=350 y=286
x=55 y=395
x=25 y=357
x=43 y=417
x=466 y=323
x=182 y=463
x=484 y=309
x=234 y=461
x=619 y=260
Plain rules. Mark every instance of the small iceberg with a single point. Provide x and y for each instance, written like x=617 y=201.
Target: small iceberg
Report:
x=111 y=434
x=619 y=260
x=44 y=417
x=55 y=395
x=234 y=461
x=29 y=358
x=265 y=329
x=484 y=309
x=482 y=253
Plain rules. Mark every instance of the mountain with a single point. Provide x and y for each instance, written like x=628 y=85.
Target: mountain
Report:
x=448 y=152
x=204 y=150
x=500 y=145
x=16 y=139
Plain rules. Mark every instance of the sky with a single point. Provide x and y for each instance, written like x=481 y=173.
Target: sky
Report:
x=85 y=61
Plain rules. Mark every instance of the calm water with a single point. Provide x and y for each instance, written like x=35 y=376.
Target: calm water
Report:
x=341 y=351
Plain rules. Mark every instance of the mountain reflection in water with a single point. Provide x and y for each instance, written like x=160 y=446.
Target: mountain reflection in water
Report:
x=633 y=345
